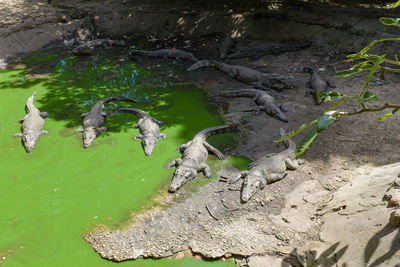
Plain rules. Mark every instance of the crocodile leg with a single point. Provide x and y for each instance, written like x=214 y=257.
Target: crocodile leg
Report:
x=83 y=115
x=138 y=123
x=233 y=73
x=163 y=136
x=44 y=132
x=183 y=147
x=214 y=150
x=291 y=164
x=310 y=92
x=138 y=136
x=175 y=162
x=258 y=109
x=241 y=175
x=157 y=121
x=259 y=85
x=102 y=129
x=24 y=118
x=273 y=177
x=283 y=108
x=206 y=170
x=80 y=130
x=330 y=84
x=44 y=114
x=17 y=135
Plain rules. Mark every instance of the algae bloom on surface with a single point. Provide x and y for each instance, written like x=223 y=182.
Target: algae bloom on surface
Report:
x=57 y=193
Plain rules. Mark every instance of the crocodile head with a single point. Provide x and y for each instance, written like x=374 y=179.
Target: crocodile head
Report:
x=148 y=145
x=181 y=176
x=89 y=134
x=251 y=184
x=29 y=141
x=276 y=112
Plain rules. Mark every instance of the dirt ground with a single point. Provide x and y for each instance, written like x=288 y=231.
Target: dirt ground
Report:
x=329 y=212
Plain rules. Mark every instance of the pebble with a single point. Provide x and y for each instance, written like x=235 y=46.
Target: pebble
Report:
x=180 y=255
x=197 y=257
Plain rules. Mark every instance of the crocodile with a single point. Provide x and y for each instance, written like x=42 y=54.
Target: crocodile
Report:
x=315 y=83
x=227 y=45
x=268 y=169
x=88 y=47
x=268 y=49
x=262 y=101
x=94 y=119
x=165 y=53
x=247 y=75
x=148 y=127
x=32 y=125
x=194 y=155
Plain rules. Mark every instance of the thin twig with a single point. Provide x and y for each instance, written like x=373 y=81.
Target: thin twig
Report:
x=212 y=215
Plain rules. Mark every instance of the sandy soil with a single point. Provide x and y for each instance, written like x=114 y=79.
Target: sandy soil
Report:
x=329 y=212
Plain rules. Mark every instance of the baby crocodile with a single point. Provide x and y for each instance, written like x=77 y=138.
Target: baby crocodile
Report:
x=268 y=49
x=148 y=127
x=315 y=83
x=244 y=74
x=165 y=53
x=88 y=47
x=262 y=101
x=32 y=124
x=268 y=169
x=227 y=45
x=194 y=155
x=93 y=120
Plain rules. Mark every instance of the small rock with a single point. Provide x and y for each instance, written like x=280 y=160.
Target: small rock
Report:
x=228 y=255
x=223 y=259
x=197 y=257
x=395 y=218
x=180 y=255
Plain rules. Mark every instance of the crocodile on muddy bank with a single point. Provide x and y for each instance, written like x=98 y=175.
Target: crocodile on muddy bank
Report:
x=94 y=119
x=246 y=75
x=148 y=126
x=268 y=49
x=32 y=125
x=88 y=47
x=165 y=53
x=315 y=83
x=262 y=101
x=227 y=45
x=268 y=169
x=194 y=155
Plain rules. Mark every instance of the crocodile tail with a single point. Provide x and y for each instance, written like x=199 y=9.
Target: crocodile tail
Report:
x=117 y=98
x=288 y=142
x=138 y=112
x=217 y=129
x=203 y=63
x=29 y=103
x=240 y=93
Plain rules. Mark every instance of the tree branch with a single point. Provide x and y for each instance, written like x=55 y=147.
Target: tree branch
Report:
x=385 y=106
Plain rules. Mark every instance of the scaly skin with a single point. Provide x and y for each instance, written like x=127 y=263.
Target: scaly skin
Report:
x=268 y=169
x=94 y=119
x=148 y=127
x=268 y=49
x=194 y=155
x=165 y=53
x=32 y=125
x=244 y=74
x=262 y=101
x=315 y=83
x=88 y=47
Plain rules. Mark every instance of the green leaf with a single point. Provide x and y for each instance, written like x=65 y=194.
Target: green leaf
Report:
x=325 y=120
x=306 y=143
x=367 y=97
x=297 y=131
x=384 y=117
x=394 y=5
x=365 y=65
x=372 y=71
x=330 y=96
x=390 y=21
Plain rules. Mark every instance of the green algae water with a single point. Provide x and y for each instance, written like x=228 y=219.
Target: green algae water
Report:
x=51 y=197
